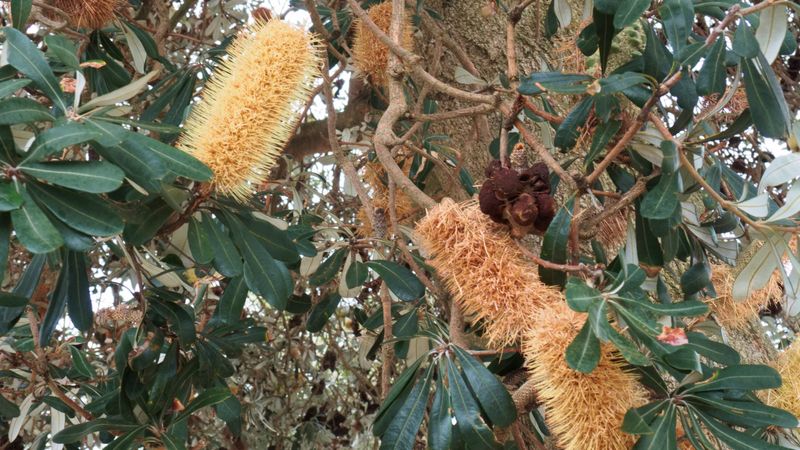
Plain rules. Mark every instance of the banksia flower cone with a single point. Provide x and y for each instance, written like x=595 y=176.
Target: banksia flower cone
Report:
x=375 y=176
x=250 y=105
x=484 y=270
x=370 y=55
x=583 y=411
x=788 y=395
x=613 y=231
x=732 y=314
x=87 y=13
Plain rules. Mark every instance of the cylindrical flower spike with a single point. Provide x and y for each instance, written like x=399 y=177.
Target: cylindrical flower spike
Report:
x=583 y=411
x=251 y=104
x=370 y=55
x=733 y=314
x=87 y=13
x=483 y=269
x=788 y=395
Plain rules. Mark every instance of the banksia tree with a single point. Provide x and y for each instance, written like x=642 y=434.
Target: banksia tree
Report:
x=370 y=55
x=482 y=268
x=583 y=411
x=250 y=105
x=88 y=13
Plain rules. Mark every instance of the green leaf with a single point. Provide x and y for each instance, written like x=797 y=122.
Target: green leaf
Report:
x=23 y=54
x=629 y=12
x=554 y=245
x=55 y=308
x=75 y=433
x=146 y=224
x=715 y=351
x=33 y=229
x=580 y=296
x=393 y=399
x=209 y=397
x=735 y=439
x=179 y=316
x=440 y=422
x=226 y=259
x=745 y=377
x=199 y=243
x=602 y=136
x=277 y=242
x=744 y=41
x=664 y=432
x=141 y=165
x=405 y=424
x=562 y=83
x=356 y=274
x=765 y=98
x=322 y=311
x=8 y=87
x=569 y=130
x=264 y=275
x=10 y=199
x=92 y=176
x=744 y=413
x=696 y=278
x=83 y=212
x=657 y=58
x=79 y=302
x=678 y=17
x=177 y=161
x=125 y=441
x=661 y=201
x=63 y=50
x=7 y=408
x=493 y=397
x=604 y=26
x=685 y=308
x=55 y=139
x=648 y=248
x=329 y=268
x=80 y=363
x=583 y=353
x=401 y=281
x=12 y=301
x=230 y=411
x=172 y=442
x=619 y=82
x=711 y=79
x=637 y=420
x=20 y=10
x=468 y=416
x=22 y=110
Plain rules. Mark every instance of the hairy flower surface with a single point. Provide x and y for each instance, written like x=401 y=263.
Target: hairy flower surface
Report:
x=87 y=13
x=370 y=55
x=484 y=270
x=251 y=104
x=733 y=314
x=583 y=411
x=788 y=395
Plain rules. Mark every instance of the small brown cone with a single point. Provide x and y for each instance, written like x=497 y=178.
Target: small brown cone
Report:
x=370 y=55
x=583 y=411
x=484 y=270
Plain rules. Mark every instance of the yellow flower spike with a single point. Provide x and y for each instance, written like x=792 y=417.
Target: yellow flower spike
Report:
x=370 y=55
x=733 y=314
x=788 y=395
x=481 y=266
x=583 y=411
x=87 y=13
x=251 y=104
